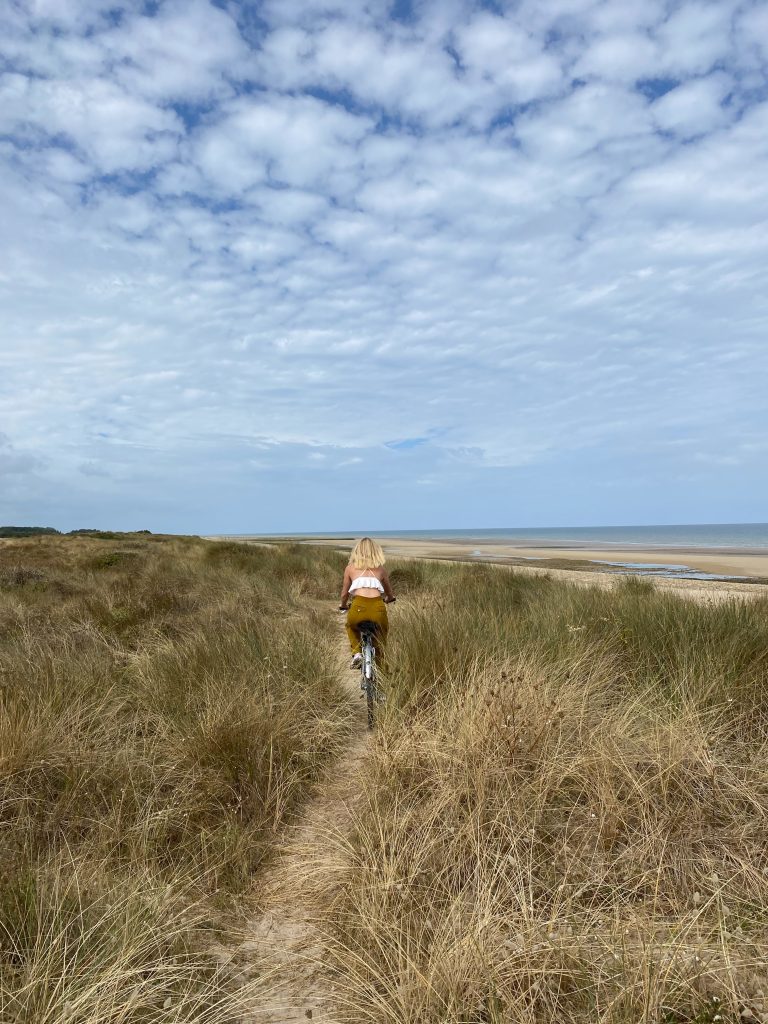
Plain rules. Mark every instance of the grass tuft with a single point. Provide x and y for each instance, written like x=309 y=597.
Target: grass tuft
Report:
x=563 y=812
x=164 y=708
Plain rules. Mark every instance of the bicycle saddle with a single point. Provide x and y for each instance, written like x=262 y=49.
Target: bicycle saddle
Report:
x=368 y=627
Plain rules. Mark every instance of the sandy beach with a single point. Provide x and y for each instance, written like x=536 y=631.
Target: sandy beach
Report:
x=590 y=566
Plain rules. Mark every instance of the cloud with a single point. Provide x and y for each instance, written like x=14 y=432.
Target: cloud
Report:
x=289 y=141
x=620 y=57
x=190 y=50
x=93 y=118
x=406 y=444
x=93 y=469
x=694 y=108
x=512 y=252
x=697 y=36
x=14 y=462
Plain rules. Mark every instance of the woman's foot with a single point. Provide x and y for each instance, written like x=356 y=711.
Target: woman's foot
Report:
x=356 y=660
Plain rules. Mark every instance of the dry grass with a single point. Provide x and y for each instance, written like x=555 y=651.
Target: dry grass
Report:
x=564 y=811
x=164 y=705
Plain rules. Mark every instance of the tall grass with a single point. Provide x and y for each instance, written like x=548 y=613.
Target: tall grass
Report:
x=564 y=813
x=164 y=706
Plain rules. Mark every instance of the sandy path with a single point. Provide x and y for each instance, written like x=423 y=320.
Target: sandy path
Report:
x=295 y=983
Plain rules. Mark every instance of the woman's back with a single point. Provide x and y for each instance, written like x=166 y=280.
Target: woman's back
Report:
x=366 y=583
x=362 y=581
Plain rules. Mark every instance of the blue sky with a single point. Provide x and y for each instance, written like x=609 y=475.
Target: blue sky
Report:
x=306 y=265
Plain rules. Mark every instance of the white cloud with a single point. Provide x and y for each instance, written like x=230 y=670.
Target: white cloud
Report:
x=111 y=128
x=295 y=141
x=186 y=51
x=629 y=15
x=592 y=116
x=620 y=57
x=496 y=51
x=695 y=107
x=697 y=36
x=752 y=33
x=495 y=228
x=14 y=462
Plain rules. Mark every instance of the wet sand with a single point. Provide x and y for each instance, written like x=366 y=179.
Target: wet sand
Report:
x=720 y=562
x=585 y=566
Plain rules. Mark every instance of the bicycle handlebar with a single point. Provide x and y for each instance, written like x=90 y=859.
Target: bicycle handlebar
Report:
x=387 y=600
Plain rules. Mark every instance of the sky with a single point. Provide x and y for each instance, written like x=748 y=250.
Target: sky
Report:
x=302 y=265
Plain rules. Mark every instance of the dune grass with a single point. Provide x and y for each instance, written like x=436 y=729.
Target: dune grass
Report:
x=164 y=705
x=564 y=812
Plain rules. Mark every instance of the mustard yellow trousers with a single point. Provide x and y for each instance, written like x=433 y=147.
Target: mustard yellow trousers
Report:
x=371 y=609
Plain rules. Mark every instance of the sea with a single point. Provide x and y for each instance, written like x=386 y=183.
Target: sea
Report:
x=735 y=536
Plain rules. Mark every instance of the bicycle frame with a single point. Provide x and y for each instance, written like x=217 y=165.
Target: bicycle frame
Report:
x=368 y=670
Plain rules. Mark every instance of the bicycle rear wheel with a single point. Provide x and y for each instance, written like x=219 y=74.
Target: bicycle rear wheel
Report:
x=368 y=669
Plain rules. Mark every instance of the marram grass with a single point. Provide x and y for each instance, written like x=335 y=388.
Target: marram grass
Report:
x=564 y=813
x=164 y=706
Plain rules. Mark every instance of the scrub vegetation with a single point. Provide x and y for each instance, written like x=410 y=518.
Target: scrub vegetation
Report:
x=561 y=816
x=564 y=811
x=165 y=703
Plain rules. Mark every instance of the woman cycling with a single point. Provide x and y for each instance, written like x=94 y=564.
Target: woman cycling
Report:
x=367 y=582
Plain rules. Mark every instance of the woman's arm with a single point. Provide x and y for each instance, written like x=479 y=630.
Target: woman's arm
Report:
x=388 y=594
x=345 y=589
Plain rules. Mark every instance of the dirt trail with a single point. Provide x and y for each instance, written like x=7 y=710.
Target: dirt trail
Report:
x=285 y=944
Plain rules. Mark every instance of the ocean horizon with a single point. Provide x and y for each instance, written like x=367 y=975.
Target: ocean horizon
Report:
x=737 y=536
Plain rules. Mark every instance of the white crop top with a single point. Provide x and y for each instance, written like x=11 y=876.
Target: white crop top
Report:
x=366 y=581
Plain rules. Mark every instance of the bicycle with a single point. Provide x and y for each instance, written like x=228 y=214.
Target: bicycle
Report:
x=368 y=632
x=368 y=673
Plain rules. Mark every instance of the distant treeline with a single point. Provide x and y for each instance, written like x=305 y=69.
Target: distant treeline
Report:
x=38 y=531
x=25 y=531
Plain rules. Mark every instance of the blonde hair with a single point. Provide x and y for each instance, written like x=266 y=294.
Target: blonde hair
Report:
x=367 y=554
